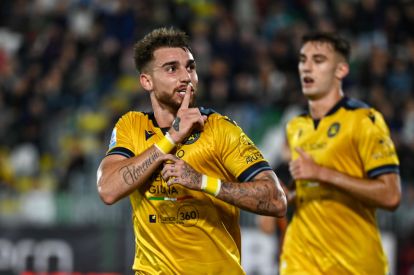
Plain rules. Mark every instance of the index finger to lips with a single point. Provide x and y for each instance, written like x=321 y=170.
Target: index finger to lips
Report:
x=187 y=97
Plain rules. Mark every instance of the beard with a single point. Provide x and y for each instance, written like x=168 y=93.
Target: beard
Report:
x=171 y=102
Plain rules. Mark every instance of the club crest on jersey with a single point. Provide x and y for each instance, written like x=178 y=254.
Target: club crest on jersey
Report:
x=193 y=138
x=334 y=129
x=112 y=142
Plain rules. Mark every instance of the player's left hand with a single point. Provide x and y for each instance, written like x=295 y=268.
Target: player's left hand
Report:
x=304 y=167
x=177 y=171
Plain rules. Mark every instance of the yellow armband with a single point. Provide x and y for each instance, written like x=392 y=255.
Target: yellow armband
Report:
x=210 y=185
x=166 y=144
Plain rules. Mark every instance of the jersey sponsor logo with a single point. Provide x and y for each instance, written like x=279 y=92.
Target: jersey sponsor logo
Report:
x=247 y=149
x=148 y=134
x=384 y=149
x=253 y=157
x=152 y=218
x=162 y=190
x=193 y=138
x=314 y=146
x=112 y=142
x=186 y=215
x=383 y=155
x=245 y=140
x=334 y=129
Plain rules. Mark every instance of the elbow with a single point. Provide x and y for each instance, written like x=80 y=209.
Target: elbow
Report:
x=282 y=210
x=107 y=197
x=108 y=200
x=393 y=202
x=280 y=207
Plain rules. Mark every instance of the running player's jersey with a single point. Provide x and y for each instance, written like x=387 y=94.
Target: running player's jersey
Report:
x=332 y=232
x=183 y=231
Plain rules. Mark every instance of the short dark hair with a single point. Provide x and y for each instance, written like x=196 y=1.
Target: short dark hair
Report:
x=158 y=38
x=340 y=44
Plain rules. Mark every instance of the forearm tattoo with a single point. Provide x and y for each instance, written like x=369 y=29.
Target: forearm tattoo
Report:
x=244 y=196
x=131 y=173
x=191 y=176
x=176 y=124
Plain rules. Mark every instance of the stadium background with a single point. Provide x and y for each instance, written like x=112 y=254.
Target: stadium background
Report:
x=67 y=74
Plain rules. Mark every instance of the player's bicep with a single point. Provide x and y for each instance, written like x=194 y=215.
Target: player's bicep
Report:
x=108 y=165
x=268 y=175
x=391 y=181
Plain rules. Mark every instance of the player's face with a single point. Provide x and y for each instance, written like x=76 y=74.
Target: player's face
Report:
x=318 y=64
x=173 y=69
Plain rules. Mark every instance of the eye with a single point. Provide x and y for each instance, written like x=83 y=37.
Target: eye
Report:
x=191 y=67
x=170 y=68
x=319 y=59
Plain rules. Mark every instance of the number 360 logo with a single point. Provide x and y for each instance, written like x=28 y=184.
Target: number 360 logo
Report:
x=187 y=215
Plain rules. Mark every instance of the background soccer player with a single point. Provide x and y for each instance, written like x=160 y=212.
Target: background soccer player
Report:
x=187 y=170
x=345 y=166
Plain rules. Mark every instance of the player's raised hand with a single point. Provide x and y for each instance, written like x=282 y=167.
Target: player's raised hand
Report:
x=304 y=167
x=187 y=119
x=187 y=97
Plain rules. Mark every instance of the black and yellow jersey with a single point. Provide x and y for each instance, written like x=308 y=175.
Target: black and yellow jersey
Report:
x=183 y=231
x=332 y=232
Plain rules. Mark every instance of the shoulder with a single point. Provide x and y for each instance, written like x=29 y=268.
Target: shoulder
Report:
x=362 y=110
x=133 y=116
x=364 y=115
x=355 y=104
x=298 y=121
x=214 y=118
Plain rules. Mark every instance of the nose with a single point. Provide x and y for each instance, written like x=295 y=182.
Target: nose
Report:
x=185 y=76
x=305 y=66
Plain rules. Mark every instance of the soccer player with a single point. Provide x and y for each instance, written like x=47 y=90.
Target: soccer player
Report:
x=187 y=170
x=344 y=165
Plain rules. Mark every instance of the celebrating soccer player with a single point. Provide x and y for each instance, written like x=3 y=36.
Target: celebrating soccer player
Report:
x=187 y=170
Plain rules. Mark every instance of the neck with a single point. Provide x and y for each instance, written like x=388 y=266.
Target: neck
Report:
x=163 y=114
x=319 y=107
x=164 y=118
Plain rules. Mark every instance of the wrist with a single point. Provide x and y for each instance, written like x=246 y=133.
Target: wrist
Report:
x=174 y=137
x=210 y=185
x=166 y=144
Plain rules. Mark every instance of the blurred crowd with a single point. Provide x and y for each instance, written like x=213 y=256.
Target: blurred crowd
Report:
x=67 y=74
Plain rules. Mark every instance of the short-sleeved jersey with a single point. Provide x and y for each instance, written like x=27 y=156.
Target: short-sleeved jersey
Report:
x=183 y=231
x=332 y=232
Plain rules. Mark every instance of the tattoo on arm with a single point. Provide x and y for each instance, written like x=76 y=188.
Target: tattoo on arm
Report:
x=176 y=123
x=191 y=175
x=131 y=173
x=257 y=198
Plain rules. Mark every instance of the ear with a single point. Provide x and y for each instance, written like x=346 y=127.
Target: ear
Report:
x=146 y=81
x=342 y=70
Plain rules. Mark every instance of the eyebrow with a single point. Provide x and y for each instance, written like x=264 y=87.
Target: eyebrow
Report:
x=175 y=62
x=318 y=55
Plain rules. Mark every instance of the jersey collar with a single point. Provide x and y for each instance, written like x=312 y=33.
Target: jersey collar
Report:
x=341 y=103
